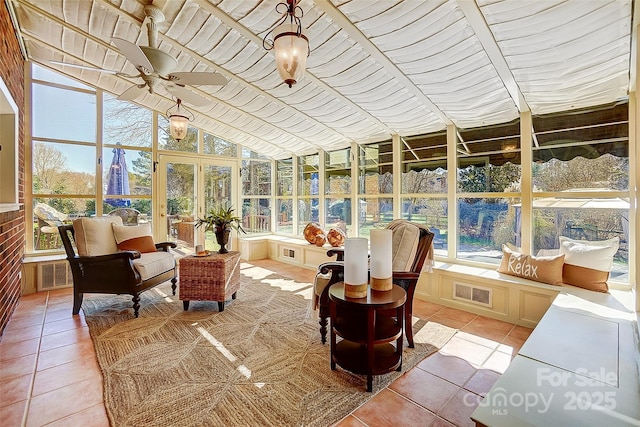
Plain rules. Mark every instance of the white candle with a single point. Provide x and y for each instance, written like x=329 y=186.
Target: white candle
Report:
x=356 y=267
x=381 y=259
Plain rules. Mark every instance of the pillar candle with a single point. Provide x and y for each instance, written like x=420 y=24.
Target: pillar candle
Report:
x=356 y=266
x=381 y=259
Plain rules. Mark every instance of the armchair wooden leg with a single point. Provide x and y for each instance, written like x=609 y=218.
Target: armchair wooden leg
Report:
x=408 y=323
x=323 y=329
x=136 y=304
x=77 y=302
x=173 y=285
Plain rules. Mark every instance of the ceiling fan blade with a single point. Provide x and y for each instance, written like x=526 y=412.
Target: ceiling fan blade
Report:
x=84 y=67
x=132 y=93
x=133 y=53
x=199 y=78
x=187 y=96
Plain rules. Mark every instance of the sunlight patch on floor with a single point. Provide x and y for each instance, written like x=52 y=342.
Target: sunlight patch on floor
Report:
x=166 y=297
x=246 y=372
x=256 y=273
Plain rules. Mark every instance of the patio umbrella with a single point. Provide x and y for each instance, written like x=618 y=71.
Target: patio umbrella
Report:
x=118 y=179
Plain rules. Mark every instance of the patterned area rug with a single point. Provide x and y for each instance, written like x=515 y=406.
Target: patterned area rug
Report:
x=260 y=362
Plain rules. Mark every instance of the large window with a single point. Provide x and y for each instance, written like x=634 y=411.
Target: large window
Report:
x=284 y=195
x=126 y=157
x=488 y=190
x=63 y=155
x=424 y=184
x=337 y=184
x=308 y=190
x=218 y=146
x=375 y=186
x=581 y=180
x=256 y=193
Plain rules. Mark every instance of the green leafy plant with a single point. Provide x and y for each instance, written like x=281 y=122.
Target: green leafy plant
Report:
x=222 y=217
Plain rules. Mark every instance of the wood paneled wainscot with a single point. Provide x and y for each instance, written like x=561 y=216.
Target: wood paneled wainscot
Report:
x=488 y=293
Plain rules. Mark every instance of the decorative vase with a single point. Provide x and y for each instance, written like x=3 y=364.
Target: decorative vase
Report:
x=222 y=237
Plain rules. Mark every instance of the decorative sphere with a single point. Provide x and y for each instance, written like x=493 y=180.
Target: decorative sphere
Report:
x=336 y=237
x=311 y=231
x=320 y=240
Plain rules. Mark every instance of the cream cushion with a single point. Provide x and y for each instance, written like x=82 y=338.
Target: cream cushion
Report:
x=587 y=263
x=153 y=263
x=94 y=236
x=404 y=247
x=123 y=232
x=597 y=255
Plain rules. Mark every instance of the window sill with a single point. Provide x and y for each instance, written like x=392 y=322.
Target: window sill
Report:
x=10 y=207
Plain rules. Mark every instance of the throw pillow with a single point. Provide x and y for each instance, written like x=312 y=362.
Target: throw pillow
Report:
x=134 y=238
x=545 y=269
x=142 y=244
x=587 y=263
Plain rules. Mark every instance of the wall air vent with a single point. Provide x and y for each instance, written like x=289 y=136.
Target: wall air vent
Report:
x=473 y=294
x=288 y=253
x=54 y=275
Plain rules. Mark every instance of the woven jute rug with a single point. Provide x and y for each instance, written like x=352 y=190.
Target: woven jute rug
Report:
x=259 y=362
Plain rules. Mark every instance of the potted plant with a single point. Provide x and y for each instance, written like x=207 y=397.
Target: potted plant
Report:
x=221 y=220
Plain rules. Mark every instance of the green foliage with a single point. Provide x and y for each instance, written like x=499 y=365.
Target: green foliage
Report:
x=141 y=169
x=220 y=216
x=493 y=179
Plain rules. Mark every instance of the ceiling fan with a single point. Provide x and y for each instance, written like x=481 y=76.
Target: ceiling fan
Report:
x=155 y=67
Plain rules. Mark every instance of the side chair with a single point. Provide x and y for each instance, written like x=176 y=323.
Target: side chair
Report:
x=412 y=243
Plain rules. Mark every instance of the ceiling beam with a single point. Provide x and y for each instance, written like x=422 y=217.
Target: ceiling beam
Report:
x=485 y=36
x=334 y=13
x=633 y=60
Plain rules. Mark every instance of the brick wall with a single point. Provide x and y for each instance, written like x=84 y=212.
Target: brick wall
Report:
x=12 y=233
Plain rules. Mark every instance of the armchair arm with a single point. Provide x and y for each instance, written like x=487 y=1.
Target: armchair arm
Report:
x=329 y=266
x=405 y=275
x=336 y=251
x=110 y=273
x=164 y=246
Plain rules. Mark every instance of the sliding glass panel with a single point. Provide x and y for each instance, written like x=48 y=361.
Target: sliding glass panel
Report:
x=75 y=122
x=484 y=225
x=591 y=219
x=374 y=213
x=376 y=169
x=432 y=213
x=126 y=123
x=181 y=203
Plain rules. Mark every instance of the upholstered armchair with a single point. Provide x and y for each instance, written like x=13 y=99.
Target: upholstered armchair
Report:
x=115 y=259
x=412 y=244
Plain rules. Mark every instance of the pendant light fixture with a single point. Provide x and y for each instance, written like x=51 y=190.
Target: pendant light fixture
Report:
x=289 y=43
x=179 y=120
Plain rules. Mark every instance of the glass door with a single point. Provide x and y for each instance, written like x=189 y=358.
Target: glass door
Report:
x=190 y=187
x=218 y=186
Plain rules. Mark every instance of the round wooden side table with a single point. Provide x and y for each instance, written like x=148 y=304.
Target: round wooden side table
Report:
x=367 y=331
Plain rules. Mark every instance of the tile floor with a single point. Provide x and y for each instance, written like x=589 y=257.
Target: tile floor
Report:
x=49 y=374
